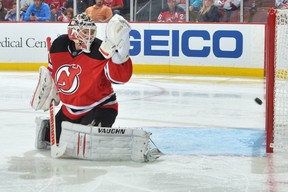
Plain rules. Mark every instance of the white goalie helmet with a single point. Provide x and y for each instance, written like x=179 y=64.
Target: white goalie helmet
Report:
x=82 y=30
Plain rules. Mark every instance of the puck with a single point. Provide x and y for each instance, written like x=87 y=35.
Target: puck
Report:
x=258 y=101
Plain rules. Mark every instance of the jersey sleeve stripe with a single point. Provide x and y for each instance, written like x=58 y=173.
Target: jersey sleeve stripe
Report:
x=107 y=73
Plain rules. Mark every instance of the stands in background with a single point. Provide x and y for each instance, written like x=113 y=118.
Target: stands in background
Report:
x=148 y=10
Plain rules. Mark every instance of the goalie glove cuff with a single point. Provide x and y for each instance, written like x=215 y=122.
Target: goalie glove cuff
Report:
x=119 y=59
x=107 y=49
x=122 y=53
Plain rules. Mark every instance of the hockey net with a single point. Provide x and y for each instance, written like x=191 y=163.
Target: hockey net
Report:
x=277 y=80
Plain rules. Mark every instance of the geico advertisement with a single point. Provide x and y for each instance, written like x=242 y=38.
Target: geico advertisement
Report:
x=199 y=44
x=239 y=45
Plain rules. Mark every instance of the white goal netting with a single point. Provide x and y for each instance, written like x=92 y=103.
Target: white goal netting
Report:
x=280 y=120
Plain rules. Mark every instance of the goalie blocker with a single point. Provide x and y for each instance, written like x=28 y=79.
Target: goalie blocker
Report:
x=100 y=143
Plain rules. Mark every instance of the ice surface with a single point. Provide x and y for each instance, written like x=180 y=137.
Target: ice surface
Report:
x=210 y=128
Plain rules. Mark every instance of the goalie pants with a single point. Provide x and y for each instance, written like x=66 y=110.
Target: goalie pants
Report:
x=97 y=116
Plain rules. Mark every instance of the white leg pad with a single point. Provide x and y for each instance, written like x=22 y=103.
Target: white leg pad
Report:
x=42 y=127
x=111 y=144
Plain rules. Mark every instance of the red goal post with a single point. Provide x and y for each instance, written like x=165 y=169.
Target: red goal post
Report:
x=276 y=71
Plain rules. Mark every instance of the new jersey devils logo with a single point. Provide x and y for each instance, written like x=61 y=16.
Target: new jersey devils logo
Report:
x=67 y=78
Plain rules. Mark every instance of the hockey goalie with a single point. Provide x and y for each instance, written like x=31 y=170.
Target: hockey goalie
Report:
x=80 y=74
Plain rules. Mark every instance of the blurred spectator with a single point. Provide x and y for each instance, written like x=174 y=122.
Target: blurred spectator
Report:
x=11 y=14
x=25 y=3
x=38 y=11
x=281 y=4
x=172 y=13
x=227 y=9
x=115 y=5
x=181 y=3
x=8 y=4
x=209 y=12
x=99 y=12
x=56 y=4
x=231 y=5
x=82 y=5
x=66 y=16
x=57 y=8
x=126 y=9
x=23 y=11
x=219 y=3
x=194 y=7
x=55 y=13
x=3 y=11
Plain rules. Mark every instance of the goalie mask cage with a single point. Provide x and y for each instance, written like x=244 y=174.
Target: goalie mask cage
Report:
x=276 y=63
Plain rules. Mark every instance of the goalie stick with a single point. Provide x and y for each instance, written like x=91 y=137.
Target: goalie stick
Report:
x=56 y=151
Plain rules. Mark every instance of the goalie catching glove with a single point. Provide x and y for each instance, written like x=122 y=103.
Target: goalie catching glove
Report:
x=116 y=44
x=45 y=91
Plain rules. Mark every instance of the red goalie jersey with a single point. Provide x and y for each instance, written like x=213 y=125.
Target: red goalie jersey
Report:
x=84 y=80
